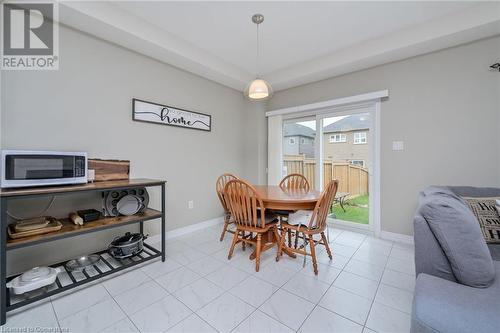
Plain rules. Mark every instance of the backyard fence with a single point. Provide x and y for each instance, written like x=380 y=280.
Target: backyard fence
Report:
x=352 y=178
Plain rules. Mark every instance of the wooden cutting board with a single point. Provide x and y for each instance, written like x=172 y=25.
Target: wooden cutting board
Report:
x=109 y=169
x=31 y=224
x=54 y=225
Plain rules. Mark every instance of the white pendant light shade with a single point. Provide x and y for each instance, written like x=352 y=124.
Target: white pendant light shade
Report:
x=258 y=89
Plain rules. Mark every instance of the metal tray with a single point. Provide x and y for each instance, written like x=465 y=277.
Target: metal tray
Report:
x=79 y=264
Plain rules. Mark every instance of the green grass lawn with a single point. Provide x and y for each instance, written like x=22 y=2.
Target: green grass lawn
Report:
x=355 y=212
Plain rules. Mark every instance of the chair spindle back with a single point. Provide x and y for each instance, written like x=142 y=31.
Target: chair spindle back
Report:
x=245 y=204
x=320 y=213
x=219 y=187
x=294 y=181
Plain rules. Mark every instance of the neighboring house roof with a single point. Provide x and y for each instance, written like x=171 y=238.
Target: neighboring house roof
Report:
x=298 y=130
x=351 y=123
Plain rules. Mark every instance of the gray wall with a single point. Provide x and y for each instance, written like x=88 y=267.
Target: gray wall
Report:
x=86 y=106
x=445 y=106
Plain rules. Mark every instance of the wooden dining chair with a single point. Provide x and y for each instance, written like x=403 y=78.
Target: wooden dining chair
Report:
x=249 y=214
x=292 y=182
x=219 y=186
x=295 y=181
x=310 y=223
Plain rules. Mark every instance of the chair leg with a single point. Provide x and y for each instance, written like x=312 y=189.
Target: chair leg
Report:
x=305 y=247
x=224 y=229
x=276 y=235
x=327 y=246
x=289 y=232
x=257 y=255
x=296 y=238
x=281 y=244
x=313 y=254
x=235 y=239
x=243 y=243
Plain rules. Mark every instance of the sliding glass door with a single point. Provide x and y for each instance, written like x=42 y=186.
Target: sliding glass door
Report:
x=346 y=157
x=336 y=145
x=298 y=147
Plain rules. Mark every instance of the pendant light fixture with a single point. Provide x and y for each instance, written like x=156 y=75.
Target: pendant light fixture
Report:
x=258 y=89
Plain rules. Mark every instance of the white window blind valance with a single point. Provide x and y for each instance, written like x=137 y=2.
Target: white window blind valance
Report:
x=316 y=108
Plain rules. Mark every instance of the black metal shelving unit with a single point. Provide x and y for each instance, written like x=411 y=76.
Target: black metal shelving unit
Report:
x=67 y=280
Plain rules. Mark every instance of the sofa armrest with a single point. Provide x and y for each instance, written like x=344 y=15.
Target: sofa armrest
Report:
x=444 y=306
x=429 y=256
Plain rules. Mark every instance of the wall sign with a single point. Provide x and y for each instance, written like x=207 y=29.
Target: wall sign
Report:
x=167 y=115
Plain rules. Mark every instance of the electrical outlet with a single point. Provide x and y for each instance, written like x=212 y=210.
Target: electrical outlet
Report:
x=190 y=204
x=398 y=146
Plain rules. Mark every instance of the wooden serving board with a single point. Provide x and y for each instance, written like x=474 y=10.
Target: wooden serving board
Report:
x=109 y=169
x=54 y=225
x=31 y=224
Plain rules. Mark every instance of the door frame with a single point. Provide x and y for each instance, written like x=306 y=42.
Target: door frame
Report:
x=335 y=106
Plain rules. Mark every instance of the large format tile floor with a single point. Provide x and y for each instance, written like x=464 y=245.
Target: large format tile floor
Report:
x=367 y=287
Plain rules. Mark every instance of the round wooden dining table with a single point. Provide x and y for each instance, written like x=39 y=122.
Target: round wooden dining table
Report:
x=278 y=199
x=275 y=198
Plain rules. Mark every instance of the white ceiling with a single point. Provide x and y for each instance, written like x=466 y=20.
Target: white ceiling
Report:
x=292 y=32
x=301 y=42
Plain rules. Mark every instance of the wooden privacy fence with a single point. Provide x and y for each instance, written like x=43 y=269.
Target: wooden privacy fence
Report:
x=352 y=178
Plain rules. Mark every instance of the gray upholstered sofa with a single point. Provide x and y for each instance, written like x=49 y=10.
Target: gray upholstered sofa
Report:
x=442 y=303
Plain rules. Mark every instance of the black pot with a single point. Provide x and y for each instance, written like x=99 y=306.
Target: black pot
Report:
x=126 y=246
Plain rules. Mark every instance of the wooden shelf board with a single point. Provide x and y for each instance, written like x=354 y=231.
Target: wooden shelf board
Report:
x=75 y=188
x=69 y=229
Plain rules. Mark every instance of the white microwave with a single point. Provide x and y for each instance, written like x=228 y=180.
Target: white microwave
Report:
x=25 y=168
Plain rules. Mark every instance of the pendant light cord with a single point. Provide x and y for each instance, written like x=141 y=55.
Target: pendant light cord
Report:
x=258 y=51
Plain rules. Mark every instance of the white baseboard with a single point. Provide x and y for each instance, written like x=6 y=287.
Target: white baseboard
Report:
x=186 y=230
x=392 y=236
x=349 y=226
